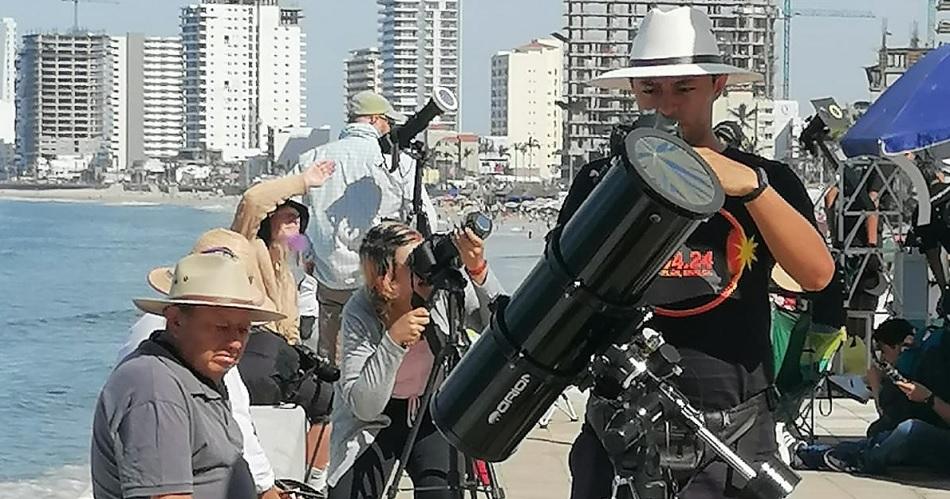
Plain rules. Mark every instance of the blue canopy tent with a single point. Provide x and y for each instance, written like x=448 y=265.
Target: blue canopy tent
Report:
x=912 y=115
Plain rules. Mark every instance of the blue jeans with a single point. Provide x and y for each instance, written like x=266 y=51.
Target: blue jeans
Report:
x=912 y=443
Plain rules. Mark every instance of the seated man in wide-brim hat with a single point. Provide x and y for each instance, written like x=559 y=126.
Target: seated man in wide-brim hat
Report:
x=220 y=240
x=163 y=426
x=714 y=308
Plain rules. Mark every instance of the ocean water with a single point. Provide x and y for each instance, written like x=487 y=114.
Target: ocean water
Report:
x=67 y=274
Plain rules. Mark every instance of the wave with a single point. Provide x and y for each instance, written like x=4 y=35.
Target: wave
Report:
x=215 y=208
x=69 y=482
x=47 y=200
x=87 y=318
x=133 y=203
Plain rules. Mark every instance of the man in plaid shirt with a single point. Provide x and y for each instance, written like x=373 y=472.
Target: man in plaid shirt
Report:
x=362 y=193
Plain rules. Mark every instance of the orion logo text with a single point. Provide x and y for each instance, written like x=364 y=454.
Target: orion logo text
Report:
x=506 y=402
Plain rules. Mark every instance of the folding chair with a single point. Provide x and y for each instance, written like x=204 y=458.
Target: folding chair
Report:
x=804 y=352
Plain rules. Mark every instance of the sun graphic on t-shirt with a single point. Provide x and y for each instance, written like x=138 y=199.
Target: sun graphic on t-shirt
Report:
x=740 y=255
x=746 y=247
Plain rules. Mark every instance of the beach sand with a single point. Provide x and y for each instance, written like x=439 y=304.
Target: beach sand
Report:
x=118 y=196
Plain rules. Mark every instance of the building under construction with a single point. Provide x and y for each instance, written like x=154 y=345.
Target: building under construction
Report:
x=599 y=37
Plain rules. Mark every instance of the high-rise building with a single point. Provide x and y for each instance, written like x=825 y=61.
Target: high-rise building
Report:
x=244 y=75
x=364 y=71
x=420 y=45
x=892 y=63
x=146 y=105
x=61 y=92
x=942 y=22
x=7 y=80
x=526 y=86
x=600 y=35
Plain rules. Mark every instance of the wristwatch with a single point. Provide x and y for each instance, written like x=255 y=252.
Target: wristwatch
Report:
x=763 y=183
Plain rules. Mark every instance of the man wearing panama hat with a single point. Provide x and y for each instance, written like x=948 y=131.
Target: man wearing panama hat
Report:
x=163 y=426
x=714 y=292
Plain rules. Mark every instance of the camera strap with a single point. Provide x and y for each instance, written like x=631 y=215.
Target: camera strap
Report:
x=430 y=333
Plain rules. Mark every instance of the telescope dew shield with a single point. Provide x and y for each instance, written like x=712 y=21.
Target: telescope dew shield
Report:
x=653 y=196
x=442 y=101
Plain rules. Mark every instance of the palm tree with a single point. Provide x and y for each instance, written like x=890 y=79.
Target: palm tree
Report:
x=520 y=147
x=731 y=133
x=504 y=152
x=747 y=117
x=486 y=146
x=530 y=146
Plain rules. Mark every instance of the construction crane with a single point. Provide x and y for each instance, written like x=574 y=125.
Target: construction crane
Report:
x=931 y=22
x=76 y=9
x=788 y=13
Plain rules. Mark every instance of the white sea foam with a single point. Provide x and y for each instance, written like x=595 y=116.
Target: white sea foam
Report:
x=67 y=482
x=216 y=208
x=133 y=203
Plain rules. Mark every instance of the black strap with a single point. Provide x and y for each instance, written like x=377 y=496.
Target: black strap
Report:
x=586 y=295
x=669 y=61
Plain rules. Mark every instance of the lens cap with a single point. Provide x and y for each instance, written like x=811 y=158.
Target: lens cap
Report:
x=480 y=224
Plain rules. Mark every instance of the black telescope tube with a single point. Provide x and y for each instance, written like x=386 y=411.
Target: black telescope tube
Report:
x=653 y=196
x=443 y=101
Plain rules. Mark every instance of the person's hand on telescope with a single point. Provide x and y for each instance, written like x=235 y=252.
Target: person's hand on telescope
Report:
x=317 y=174
x=736 y=179
x=407 y=330
x=471 y=250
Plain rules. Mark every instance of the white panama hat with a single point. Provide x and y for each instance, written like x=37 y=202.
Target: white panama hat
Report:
x=677 y=42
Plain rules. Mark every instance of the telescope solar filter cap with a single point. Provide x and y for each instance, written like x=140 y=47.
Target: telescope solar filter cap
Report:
x=445 y=99
x=672 y=170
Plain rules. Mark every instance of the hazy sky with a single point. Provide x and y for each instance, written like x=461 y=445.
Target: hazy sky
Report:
x=827 y=54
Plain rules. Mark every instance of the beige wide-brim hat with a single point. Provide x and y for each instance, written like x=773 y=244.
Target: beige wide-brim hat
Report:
x=211 y=280
x=785 y=281
x=220 y=240
x=670 y=43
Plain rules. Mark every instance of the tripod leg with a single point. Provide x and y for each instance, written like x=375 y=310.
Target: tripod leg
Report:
x=546 y=419
x=570 y=409
x=495 y=491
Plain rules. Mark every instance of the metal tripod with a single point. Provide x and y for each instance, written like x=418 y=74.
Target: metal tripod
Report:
x=465 y=473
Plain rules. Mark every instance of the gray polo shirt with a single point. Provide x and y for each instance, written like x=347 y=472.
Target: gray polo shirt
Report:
x=159 y=429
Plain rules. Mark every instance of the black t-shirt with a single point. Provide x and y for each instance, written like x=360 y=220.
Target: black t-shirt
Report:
x=725 y=269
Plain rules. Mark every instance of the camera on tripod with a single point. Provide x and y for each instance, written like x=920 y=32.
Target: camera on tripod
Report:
x=435 y=259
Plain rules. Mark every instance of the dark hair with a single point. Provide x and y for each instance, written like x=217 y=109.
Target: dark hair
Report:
x=263 y=232
x=893 y=331
x=379 y=250
x=381 y=242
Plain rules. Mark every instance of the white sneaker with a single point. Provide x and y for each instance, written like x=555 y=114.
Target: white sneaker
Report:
x=787 y=444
